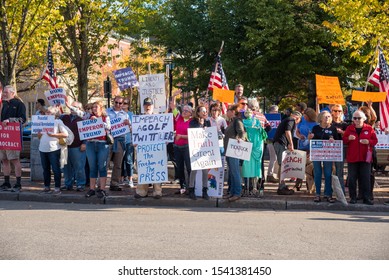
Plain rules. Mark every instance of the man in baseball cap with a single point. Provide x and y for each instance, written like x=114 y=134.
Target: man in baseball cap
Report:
x=147 y=101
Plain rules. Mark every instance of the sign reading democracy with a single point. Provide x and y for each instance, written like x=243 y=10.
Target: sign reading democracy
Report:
x=383 y=141
x=153 y=86
x=325 y=150
x=118 y=127
x=125 y=78
x=152 y=163
x=56 y=96
x=240 y=150
x=293 y=164
x=204 y=151
x=10 y=137
x=42 y=123
x=152 y=128
x=274 y=120
x=89 y=129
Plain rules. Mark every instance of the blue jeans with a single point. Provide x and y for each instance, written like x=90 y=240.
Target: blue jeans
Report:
x=234 y=178
x=128 y=161
x=75 y=168
x=51 y=159
x=182 y=159
x=97 y=153
x=317 y=173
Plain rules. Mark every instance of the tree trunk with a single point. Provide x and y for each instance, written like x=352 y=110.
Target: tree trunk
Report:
x=82 y=83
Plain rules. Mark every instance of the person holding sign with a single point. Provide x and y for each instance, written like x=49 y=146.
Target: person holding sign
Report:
x=361 y=139
x=323 y=131
x=97 y=151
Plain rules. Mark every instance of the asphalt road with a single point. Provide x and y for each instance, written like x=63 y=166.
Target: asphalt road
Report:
x=34 y=231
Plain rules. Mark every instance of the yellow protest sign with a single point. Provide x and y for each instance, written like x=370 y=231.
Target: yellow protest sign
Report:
x=223 y=95
x=328 y=90
x=366 y=96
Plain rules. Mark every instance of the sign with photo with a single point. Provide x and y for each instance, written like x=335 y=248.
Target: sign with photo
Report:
x=325 y=150
x=90 y=129
x=42 y=123
x=152 y=163
x=240 y=150
x=215 y=182
x=155 y=128
x=293 y=164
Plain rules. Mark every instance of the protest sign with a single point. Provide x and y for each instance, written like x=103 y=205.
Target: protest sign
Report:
x=204 y=148
x=118 y=127
x=274 y=120
x=152 y=163
x=10 y=137
x=366 y=96
x=215 y=181
x=154 y=128
x=89 y=129
x=42 y=123
x=153 y=86
x=383 y=141
x=293 y=164
x=223 y=95
x=328 y=90
x=240 y=150
x=325 y=150
x=56 y=96
x=125 y=78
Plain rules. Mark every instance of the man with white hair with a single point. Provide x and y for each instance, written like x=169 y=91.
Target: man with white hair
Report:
x=13 y=110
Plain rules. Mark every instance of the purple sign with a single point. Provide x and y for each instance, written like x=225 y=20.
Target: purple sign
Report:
x=125 y=78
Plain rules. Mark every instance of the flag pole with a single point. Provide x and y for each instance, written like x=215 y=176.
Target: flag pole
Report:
x=214 y=71
x=371 y=65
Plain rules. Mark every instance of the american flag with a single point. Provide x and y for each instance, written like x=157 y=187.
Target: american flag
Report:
x=380 y=79
x=218 y=79
x=49 y=73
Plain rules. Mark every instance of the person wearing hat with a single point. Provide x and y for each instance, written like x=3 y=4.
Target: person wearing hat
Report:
x=282 y=141
x=143 y=189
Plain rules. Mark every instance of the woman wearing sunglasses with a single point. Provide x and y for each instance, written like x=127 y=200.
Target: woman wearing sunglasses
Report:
x=360 y=139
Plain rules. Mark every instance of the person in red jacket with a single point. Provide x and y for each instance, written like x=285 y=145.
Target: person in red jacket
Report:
x=360 y=138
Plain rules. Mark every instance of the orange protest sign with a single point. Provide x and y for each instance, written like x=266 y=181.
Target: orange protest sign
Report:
x=366 y=96
x=328 y=90
x=223 y=95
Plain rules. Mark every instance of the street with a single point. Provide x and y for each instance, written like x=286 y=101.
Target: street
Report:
x=34 y=231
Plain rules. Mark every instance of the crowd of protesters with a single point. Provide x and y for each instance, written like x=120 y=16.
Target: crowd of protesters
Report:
x=86 y=162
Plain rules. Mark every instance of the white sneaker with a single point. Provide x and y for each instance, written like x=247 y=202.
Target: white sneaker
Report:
x=57 y=192
x=131 y=184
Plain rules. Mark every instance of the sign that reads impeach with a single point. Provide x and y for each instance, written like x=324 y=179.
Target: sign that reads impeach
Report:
x=42 y=123
x=56 y=96
x=154 y=128
x=293 y=164
x=118 y=127
x=204 y=148
x=152 y=163
x=89 y=129
x=10 y=137
x=240 y=150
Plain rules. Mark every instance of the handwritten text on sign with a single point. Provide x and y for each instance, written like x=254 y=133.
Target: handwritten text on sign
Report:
x=89 y=129
x=152 y=163
x=41 y=123
x=152 y=128
x=118 y=127
x=153 y=86
x=293 y=164
x=10 y=138
x=204 y=149
x=240 y=150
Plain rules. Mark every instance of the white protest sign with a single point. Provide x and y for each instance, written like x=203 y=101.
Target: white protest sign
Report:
x=89 y=129
x=383 y=141
x=118 y=127
x=56 y=96
x=240 y=150
x=154 y=128
x=204 y=148
x=215 y=182
x=152 y=163
x=42 y=123
x=325 y=150
x=293 y=164
x=153 y=86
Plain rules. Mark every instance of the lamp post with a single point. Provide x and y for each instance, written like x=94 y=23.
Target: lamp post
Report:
x=169 y=71
x=108 y=90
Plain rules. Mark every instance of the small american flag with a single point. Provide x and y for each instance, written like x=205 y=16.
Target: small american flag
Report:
x=380 y=79
x=218 y=79
x=49 y=73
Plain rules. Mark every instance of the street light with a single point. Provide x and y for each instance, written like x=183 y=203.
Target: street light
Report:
x=169 y=70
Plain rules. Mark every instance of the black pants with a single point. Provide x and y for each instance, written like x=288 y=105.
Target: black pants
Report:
x=359 y=171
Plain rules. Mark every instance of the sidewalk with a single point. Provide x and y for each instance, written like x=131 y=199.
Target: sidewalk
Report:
x=300 y=200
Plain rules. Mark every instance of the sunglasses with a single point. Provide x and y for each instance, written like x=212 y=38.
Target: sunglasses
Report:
x=356 y=118
x=243 y=103
x=120 y=103
x=337 y=111
x=125 y=103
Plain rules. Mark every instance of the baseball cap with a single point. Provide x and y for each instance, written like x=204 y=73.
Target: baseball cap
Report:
x=147 y=101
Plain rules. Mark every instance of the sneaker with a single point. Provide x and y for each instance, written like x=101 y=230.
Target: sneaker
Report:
x=80 y=188
x=285 y=191
x=386 y=202
x=126 y=181
x=182 y=191
x=368 y=202
x=353 y=201
x=90 y=193
x=57 y=192
x=131 y=184
x=46 y=190
x=16 y=188
x=271 y=179
x=234 y=198
x=5 y=186
x=100 y=193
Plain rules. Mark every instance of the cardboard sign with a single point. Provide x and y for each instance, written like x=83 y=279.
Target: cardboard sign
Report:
x=56 y=96
x=204 y=148
x=293 y=164
x=324 y=150
x=10 y=136
x=42 y=123
x=154 y=128
x=328 y=90
x=153 y=86
x=215 y=182
x=240 y=150
x=152 y=163
x=118 y=127
x=274 y=120
x=223 y=95
x=366 y=96
x=90 y=129
x=125 y=78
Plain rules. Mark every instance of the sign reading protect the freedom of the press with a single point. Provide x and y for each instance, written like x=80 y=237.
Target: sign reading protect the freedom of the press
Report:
x=89 y=129
x=152 y=163
x=42 y=123
x=118 y=127
x=154 y=128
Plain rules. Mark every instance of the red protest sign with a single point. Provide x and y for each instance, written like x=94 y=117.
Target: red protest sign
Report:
x=10 y=137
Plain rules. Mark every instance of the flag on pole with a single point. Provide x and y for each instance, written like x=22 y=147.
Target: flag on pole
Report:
x=380 y=79
x=49 y=73
x=218 y=78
